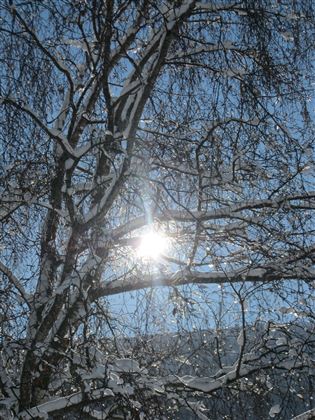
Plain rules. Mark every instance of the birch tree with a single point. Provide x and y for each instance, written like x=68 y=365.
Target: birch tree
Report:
x=157 y=208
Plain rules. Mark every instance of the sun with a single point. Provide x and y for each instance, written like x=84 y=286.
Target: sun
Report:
x=152 y=245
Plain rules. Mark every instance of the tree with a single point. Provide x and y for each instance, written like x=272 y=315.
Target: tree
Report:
x=181 y=123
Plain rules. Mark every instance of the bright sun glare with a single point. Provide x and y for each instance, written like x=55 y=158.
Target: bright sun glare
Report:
x=152 y=246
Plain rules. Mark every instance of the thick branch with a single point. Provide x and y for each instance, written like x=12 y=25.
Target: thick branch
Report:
x=182 y=277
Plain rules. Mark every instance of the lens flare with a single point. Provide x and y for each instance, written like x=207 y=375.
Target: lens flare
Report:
x=152 y=245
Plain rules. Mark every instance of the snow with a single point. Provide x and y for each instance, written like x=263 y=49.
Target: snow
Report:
x=281 y=341
x=209 y=6
x=275 y=409
x=62 y=114
x=226 y=45
x=126 y=365
x=42 y=410
x=129 y=87
x=81 y=44
x=81 y=151
x=131 y=31
x=69 y=163
x=308 y=415
x=15 y=282
x=287 y=36
x=241 y=338
x=183 y=276
x=99 y=415
x=127 y=105
x=285 y=310
x=97 y=373
x=241 y=12
x=55 y=133
x=115 y=379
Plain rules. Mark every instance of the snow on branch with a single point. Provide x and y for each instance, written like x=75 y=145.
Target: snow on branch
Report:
x=53 y=133
x=57 y=404
x=223 y=46
x=211 y=7
x=186 y=276
x=307 y=415
x=15 y=282
x=235 y=211
x=229 y=212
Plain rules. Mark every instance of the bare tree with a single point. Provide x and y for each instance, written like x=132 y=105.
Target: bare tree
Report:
x=157 y=210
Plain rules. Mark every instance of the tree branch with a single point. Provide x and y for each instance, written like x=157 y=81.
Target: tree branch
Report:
x=16 y=283
x=182 y=277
